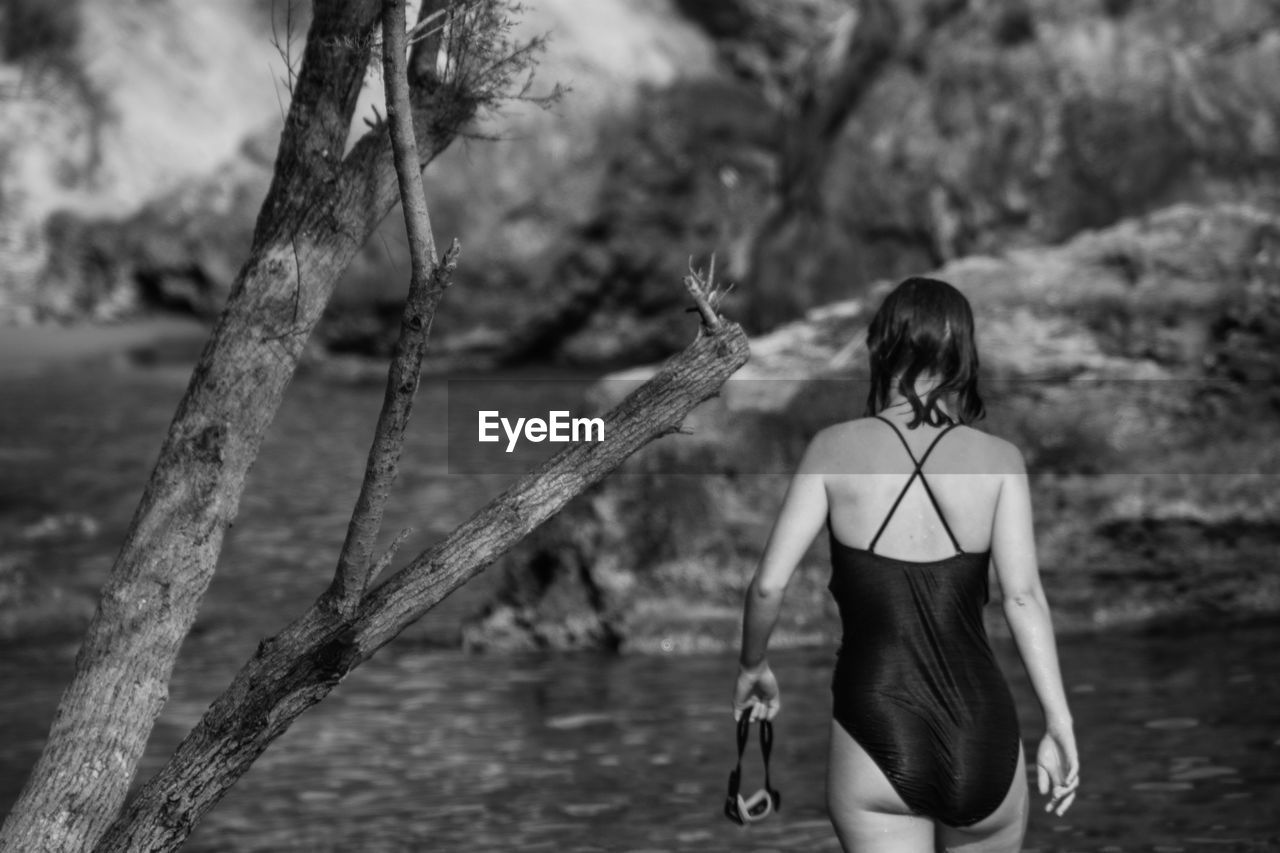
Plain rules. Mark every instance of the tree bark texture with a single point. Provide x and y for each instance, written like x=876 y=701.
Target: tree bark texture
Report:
x=297 y=668
x=320 y=209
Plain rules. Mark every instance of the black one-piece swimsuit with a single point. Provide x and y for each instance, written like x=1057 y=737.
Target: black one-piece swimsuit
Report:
x=916 y=683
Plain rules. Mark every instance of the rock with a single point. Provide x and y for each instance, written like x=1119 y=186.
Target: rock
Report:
x=31 y=607
x=130 y=105
x=551 y=600
x=66 y=526
x=1150 y=504
x=973 y=143
x=180 y=252
x=1003 y=126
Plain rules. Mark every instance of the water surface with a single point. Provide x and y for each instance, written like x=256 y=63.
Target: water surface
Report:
x=426 y=748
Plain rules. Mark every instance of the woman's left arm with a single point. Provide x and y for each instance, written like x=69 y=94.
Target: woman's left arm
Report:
x=804 y=510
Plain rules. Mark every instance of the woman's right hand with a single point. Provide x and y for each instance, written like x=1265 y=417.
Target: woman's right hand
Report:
x=1058 y=768
x=756 y=693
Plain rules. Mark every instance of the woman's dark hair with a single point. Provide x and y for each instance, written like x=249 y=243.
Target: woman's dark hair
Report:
x=925 y=326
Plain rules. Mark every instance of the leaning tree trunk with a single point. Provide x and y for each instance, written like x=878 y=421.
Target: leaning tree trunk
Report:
x=870 y=37
x=346 y=626
x=319 y=211
x=788 y=235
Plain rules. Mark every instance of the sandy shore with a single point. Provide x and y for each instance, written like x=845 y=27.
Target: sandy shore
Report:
x=25 y=350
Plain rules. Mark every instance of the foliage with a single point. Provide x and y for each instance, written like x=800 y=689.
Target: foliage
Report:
x=469 y=53
x=37 y=30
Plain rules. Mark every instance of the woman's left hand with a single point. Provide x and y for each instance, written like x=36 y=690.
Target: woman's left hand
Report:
x=756 y=693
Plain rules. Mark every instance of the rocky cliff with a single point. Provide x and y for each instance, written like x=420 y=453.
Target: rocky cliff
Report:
x=137 y=140
x=115 y=120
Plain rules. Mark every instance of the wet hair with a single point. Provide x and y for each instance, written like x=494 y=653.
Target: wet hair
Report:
x=925 y=326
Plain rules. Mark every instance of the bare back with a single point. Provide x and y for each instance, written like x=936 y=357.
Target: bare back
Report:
x=865 y=468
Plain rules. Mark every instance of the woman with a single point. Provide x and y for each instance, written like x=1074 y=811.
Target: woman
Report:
x=925 y=752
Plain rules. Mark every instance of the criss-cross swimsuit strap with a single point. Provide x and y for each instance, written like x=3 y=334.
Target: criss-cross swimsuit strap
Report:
x=919 y=463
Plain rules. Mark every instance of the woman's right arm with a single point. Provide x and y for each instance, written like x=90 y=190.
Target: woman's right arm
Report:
x=1027 y=612
x=804 y=511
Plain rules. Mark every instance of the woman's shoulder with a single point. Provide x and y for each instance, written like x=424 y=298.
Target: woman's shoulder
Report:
x=833 y=447
x=978 y=449
x=843 y=447
x=998 y=455
x=837 y=435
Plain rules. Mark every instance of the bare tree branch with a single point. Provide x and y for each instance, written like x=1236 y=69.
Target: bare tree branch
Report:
x=355 y=563
x=404 y=142
x=284 y=49
x=706 y=297
x=390 y=554
x=428 y=280
x=297 y=668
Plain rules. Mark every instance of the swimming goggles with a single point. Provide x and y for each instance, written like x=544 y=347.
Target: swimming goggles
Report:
x=763 y=802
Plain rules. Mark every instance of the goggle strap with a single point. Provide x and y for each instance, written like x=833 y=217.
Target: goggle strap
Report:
x=744 y=731
x=766 y=746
